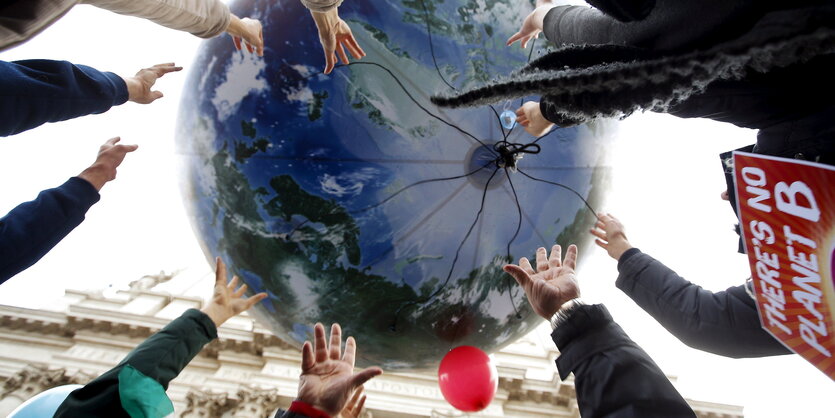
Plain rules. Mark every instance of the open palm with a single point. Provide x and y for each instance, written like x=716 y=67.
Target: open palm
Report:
x=328 y=378
x=552 y=283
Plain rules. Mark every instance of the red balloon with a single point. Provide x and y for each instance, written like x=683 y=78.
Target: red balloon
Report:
x=468 y=378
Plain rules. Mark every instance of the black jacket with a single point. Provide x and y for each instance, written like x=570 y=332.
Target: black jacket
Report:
x=613 y=376
x=723 y=323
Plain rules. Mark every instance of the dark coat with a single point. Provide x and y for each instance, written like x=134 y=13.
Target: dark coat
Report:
x=35 y=92
x=586 y=81
x=161 y=357
x=613 y=376
x=31 y=229
x=723 y=323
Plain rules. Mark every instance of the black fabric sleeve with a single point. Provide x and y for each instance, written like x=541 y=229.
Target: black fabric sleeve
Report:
x=34 y=92
x=723 y=323
x=613 y=376
x=31 y=229
x=161 y=357
x=662 y=25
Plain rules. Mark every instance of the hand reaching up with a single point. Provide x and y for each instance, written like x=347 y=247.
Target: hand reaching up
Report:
x=335 y=36
x=328 y=377
x=110 y=157
x=611 y=236
x=227 y=301
x=139 y=86
x=531 y=118
x=247 y=33
x=552 y=284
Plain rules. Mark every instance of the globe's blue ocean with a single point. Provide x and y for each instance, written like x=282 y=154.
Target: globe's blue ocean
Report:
x=350 y=198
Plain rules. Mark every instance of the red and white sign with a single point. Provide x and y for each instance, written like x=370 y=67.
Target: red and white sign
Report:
x=787 y=215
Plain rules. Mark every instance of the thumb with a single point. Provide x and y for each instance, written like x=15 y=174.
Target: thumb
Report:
x=156 y=94
x=359 y=379
x=520 y=275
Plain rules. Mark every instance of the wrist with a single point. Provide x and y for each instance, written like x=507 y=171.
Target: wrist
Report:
x=325 y=20
x=134 y=87
x=234 y=27
x=539 y=15
x=96 y=175
x=620 y=248
x=216 y=315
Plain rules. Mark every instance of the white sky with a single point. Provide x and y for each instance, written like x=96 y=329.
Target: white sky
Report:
x=667 y=181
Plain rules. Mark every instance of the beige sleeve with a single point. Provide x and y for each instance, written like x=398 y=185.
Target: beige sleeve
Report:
x=202 y=18
x=321 y=5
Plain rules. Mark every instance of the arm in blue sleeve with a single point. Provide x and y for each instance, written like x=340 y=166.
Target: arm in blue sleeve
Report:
x=724 y=323
x=34 y=92
x=31 y=229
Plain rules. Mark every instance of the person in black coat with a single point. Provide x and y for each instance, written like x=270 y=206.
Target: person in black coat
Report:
x=613 y=375
x=724 y=323
x=136 y=386
x=757 y=64
x=32 y=229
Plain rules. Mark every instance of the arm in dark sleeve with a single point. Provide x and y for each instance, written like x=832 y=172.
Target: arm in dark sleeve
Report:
x=34 y=92
x=723 y=323
x=161 y=357
x=613 y=375
x=31 y=229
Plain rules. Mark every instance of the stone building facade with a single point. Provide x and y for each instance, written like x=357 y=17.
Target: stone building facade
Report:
x=246 y=372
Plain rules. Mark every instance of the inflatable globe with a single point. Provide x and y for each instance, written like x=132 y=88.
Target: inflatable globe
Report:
x=350 y=198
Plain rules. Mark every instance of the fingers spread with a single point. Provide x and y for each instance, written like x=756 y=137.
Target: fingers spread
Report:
x=220 y=271
x=240 y=292
x=319 y=345
x=602 y=244
x=342 y=55
x=571 y=257
x=598 y=233
x=526 y=266
x=360 y=378
x=356 y=47
x=330 y=61
x=541 y=259
x=336 y=342
x=237 y=41
x=232 y=284
x=515 y=37
x=252 y=300
x=350 y=351
x=556 y=256
x=307 y=356
x=521 y=276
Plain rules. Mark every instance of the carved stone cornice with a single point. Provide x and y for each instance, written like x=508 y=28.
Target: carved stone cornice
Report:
x=36 y=378
x=206 y=403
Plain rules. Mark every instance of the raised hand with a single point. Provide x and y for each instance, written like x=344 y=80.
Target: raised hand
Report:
x=227 y=301
x=552 y=284
x=328 y=377
x=110 y=156
x=139 y=86
x=247 y=32
x=531 y=118
x=335 y=36
x=353 y=409
x=534 y=22
x=611 y=236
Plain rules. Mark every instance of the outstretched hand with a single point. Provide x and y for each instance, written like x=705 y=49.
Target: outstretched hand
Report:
x=552 y=284
x=247 y=33
x=227 y=301
x=353 y=409
x=328 y=377
x=611 y=236
x=335 y=36
x=139 y=86
x=110 y=157
x=533 y=24
x=531 y=118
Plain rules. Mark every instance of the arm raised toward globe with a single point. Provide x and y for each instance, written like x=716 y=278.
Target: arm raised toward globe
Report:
x=334 y=33
x=613 y=375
